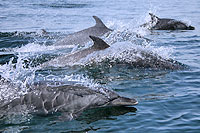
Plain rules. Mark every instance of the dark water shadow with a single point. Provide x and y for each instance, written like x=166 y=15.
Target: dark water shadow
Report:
x=105 y=73
x=52 y=120
x=104 y=113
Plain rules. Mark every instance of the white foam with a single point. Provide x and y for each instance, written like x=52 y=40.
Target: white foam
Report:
x=35 y=48
x=18 y=76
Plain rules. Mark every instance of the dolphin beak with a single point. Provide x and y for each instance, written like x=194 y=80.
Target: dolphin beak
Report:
x=122 y=101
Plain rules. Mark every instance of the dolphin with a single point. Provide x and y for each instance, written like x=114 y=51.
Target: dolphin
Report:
x=141 y=58
x=157 y=23
x=70 y=100
x=82 y=37
x=72 y=58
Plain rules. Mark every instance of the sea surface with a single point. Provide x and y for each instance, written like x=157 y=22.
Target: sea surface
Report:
x=169 y=100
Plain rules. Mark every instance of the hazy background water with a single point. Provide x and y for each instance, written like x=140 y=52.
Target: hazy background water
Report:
x=169 y=101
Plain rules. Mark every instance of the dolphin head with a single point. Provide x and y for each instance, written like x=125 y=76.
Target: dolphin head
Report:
x=113 y=99
x=154 y=18
x=99 y=44
x=190 y=28
x=117 y=100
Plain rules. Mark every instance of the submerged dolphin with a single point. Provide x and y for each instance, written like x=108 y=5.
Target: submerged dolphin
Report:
x=81 y=37
x=71 y=100
x=138 y=57
x=157 y=23
x=72 y=58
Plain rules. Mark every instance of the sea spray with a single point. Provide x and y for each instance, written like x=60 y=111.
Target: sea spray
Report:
x=18 y=76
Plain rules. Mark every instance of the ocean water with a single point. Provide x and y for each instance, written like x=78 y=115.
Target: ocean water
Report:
x=169 y=100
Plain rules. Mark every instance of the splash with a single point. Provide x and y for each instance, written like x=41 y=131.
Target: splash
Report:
x=125 y=52
x=16 y=77
x=73 y=79
x=38 y=42
x=34 y=48
x=129 y=31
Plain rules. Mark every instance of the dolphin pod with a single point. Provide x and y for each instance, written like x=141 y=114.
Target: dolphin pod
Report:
x=82 y=37
x=73 y=99
x=145 y=60
x=157 y=23
x=68 y=99
x=69 y=59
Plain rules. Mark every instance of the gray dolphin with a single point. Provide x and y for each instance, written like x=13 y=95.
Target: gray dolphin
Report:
x=72 y=58
x=81 y=37
x=157 y=23
x=68 y=99
x=140 y=58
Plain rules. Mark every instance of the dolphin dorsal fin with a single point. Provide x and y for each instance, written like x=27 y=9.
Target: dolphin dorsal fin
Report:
x=99 y=23
x=99 y=43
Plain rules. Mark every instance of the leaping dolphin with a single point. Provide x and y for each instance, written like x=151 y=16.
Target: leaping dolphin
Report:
x=68 y=99
x=81 y=37
x=70 y=59
x=157 y=23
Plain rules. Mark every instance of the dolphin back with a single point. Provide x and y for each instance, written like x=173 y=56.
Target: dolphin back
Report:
x=82 y=37
x=168 y=24
x=71 y=100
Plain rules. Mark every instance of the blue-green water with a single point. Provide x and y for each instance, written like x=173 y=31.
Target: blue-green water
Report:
x=169 y=101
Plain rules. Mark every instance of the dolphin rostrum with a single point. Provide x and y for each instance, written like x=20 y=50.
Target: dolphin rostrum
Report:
x=81 y=37
x=72 y=58
x=157 y=23
x=68 y=99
